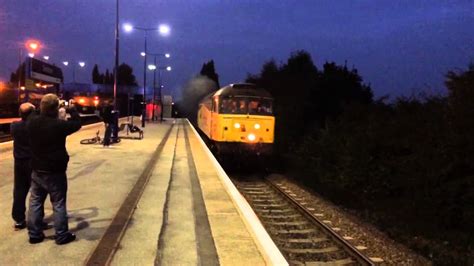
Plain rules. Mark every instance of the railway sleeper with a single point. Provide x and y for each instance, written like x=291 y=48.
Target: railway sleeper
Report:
x=271 y=205
x=346 y=261
x=267 y=200
x=274 y=211
x=311 y=250
x=256 y=192
x=297 y=223
x=270 y=216
x=297 y=231
x=304 y=240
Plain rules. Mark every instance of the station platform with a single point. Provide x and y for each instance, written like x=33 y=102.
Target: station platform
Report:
x=160 y=200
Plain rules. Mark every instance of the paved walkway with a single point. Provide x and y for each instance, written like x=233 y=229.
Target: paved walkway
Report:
x=174 y=222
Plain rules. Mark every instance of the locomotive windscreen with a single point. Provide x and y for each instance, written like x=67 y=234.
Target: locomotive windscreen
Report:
x=241 y=105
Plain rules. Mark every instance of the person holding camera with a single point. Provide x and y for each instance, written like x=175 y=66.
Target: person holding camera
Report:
x=47 y=138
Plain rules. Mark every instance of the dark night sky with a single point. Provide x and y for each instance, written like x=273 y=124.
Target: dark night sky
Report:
x=397 y=46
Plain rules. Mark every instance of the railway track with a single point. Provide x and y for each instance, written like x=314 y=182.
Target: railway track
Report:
x=300 y=235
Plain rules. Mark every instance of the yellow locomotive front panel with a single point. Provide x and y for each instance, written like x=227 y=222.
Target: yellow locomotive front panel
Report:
x=243 y=128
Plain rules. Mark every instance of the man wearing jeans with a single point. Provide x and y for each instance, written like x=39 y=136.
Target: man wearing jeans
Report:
x=49 y=161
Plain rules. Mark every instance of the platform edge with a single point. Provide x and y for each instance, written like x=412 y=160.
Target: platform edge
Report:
x=265 y=244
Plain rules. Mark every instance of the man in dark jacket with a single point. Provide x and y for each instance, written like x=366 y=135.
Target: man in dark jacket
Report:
x=22 y=168
x=49 y=162
x=107 y=116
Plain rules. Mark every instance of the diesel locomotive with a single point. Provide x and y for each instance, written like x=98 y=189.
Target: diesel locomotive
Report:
x=238 y=118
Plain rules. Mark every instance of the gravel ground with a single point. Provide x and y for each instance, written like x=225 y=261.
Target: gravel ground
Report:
x=359 y=233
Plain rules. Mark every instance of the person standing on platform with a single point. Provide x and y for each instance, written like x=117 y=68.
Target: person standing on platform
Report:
x=47 y=135
x=107 y=116
x=22 y=167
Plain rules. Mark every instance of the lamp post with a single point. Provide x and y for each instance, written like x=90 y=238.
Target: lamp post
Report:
x=168 y=68
x=153 y=67
x=116 y=55
x=163 y=30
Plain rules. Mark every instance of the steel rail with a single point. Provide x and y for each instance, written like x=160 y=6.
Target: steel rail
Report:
x=349 y=248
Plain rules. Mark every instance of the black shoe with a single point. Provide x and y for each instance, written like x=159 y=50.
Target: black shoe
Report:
x=19 y=226
x=67 y=238
x=36 y=240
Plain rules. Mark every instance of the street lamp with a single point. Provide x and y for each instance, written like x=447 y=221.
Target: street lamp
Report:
x=164 y=30
x=154 y=67
x=82 y=64
x=31 y=46
x=46 y=57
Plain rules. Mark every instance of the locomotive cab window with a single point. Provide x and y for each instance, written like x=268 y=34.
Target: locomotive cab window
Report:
x=240 y=105
x=260 y=107
x=233 y=106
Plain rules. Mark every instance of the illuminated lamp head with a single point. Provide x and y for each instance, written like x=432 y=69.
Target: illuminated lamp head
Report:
x=32 y=45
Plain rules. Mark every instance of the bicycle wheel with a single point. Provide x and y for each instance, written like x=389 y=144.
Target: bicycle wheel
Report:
x=89 y=141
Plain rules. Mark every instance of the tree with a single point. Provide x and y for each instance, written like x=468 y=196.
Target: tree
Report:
x=107 y=78
x=96 y=76
x=125 y=75
x=209 y=71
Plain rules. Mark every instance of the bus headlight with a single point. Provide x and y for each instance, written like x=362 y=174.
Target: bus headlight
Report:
x=257 y=126
x=251 y=137
x=237 y=125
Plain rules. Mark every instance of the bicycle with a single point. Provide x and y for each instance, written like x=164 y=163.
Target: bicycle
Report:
x=93 y=140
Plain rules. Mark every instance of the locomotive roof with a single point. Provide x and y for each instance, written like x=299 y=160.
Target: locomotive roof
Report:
x=243 y=89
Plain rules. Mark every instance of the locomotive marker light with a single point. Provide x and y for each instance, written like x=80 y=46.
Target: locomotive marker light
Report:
x=257 y=126
x=237 y=125
x=251 y=137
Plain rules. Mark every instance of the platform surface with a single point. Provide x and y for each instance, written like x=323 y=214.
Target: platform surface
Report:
x=183 y=216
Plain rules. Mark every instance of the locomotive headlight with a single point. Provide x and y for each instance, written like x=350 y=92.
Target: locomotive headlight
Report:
x=237 y=125
x=251 y=137
x=257 y=126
